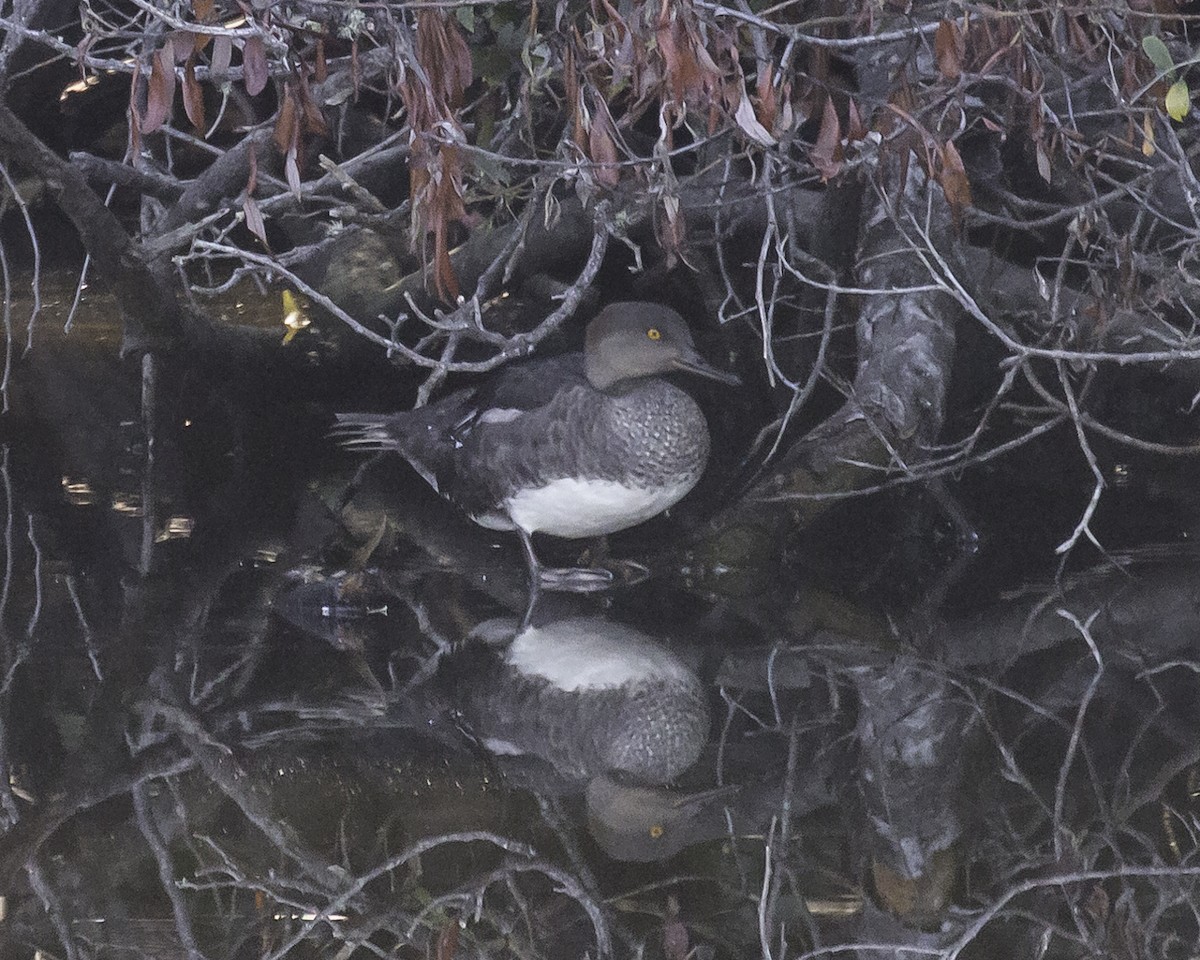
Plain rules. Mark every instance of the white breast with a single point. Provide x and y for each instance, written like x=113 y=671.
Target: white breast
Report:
x=590 y=508
x=586 y=653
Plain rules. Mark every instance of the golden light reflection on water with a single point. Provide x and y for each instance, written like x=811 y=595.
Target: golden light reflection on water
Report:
x=127 y=504
x=176 y=528
x=78 y=493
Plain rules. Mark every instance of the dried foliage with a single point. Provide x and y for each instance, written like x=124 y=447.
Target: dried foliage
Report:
x=935 y=238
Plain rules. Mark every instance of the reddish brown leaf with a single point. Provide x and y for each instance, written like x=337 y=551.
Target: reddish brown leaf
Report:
x=767 y=108
x=856 y=128
x=254 y=220
x=602 y=147
x=687 y=67
x=447 y=941
x=254 y=65
x=571 y=88
x=1080 y=39
x=221 y=53
x=445 y=56
x=1129 y=73
x=286 y=127
x=679 y=66
x=953 y=178
x=444 y=280
x=314 y=120
x=948 y=48
x=826 y=154
x=193 y=96
x=166 y=56
x=160 y=91
x=182 y=42
x=320 y=67
x=204 y=12
x=445 y=206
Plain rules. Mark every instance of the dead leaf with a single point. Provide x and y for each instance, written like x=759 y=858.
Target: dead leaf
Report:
x=221 y=54
x=748 y=123
x=1147 y=142
x=255 y=72
x=954 y=181
x=571 y=89
x=314 y=120
x=447 y=941
x=602 y=147
x=949 y=46
x=291 y=167
x=320 y=67
x=444 y=54
x=160 y=92
x=254 y=220
x=443 y=205
x=689 y=71
x=193 y=96
x=204 y=11
x=856 y=128
x=1079 y=38
x=183 y=42
x=826 y=154
x=768 y=102
x=286 y=127
x=1043 y=161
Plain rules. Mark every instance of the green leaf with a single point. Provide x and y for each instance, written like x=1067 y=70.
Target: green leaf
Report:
x=1159 y=55
x=466 y=16
x=1179 y=100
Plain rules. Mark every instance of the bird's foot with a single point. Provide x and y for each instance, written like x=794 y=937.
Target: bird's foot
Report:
x=575 y=579
x=592 y=579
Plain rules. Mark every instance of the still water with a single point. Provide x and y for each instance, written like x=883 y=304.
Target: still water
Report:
x=259 y=699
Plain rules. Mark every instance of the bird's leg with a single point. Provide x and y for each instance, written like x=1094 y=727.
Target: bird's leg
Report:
x=566 y=579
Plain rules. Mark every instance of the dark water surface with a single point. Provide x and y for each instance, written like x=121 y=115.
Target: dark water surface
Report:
x=250 y=708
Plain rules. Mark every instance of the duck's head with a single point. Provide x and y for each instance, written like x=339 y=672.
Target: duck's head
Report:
x=638 y=339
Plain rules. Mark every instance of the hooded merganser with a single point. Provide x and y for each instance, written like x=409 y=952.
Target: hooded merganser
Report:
x=585 y=694
x=579 y=445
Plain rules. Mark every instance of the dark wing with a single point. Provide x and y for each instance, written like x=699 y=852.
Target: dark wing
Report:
x=530 y=384
x=557 y=439
x=520 y=388
x=442 y=441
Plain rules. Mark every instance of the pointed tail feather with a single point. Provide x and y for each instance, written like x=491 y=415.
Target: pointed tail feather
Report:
x=364 y=431
x=375 y=432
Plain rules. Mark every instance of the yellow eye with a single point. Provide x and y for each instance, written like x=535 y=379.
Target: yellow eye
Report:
x=656 y=831
x=654 y=333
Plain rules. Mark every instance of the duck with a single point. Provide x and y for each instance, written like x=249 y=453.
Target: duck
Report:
x=583 y=694
x=579 y=445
